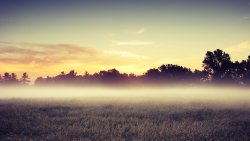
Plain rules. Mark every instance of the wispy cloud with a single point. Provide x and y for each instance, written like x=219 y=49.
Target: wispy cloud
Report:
x=126 y=54
x=167 y=61
x=42 y=58
x=131 y=43
x=239 y=51
x=140 y=30
x=136 y=31
x=41 y=54
x=246 y=18
x=47 y=59
x=243 y=46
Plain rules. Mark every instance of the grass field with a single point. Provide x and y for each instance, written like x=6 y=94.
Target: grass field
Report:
x=65 y=121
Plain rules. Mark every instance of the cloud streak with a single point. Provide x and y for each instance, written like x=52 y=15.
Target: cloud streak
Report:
x=243 y=46
x=51 y=57
x=239 y=51
x=246 y=17
x=42 y=54
x=141 y=30
x=126 y=54
x=132 y=43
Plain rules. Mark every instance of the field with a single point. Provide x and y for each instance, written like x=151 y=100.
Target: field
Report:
x=41 y=119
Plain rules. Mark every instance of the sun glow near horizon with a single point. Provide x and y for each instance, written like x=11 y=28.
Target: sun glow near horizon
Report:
x=47 y=37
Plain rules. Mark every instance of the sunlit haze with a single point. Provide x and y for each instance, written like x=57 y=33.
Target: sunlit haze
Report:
x=49 y=36
x=219 y=97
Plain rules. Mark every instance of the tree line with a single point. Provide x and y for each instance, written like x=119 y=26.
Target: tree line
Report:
x=12 y=79
x=217 y=68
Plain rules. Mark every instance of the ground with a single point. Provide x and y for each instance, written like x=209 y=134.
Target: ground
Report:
x=33 y=121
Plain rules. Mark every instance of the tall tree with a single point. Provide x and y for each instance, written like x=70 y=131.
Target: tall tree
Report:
x=246 y=68
x=112 y=75
x=1 y=79
x=25 y=79
x=153 y=74
x=217 y=64
x=14 y=79
x=6 y=78
x=175 y=72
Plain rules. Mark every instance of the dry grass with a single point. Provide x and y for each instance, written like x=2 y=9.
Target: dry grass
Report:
x=69 y=122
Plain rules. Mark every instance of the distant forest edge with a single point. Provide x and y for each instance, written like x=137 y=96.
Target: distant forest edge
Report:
x=217 y=69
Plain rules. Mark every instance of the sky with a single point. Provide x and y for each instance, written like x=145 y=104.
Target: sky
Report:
x=49 y=36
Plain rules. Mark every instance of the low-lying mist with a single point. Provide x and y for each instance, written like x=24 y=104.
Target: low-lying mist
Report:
x=145 y=113
x=225 y=96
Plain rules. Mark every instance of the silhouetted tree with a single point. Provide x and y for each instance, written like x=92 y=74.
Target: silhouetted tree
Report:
x=132 y=76
x=200 y=75
x=218 y=65
x=71 y=75
x=64 y=78
x=61 y=77
x=86 y=75
x=169 y=72
x=1 y=79
x=245 y=64
x=25 y=79
x=10 y=78
x=153 y=74
x=14 y=79
x=40 y=80
x=112 y=75
x=6 y=76
x=176 y=72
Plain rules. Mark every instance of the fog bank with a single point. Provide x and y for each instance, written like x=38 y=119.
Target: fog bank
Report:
x=219 y=96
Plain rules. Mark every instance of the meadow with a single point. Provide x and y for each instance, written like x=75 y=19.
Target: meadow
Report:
x=99 y=119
